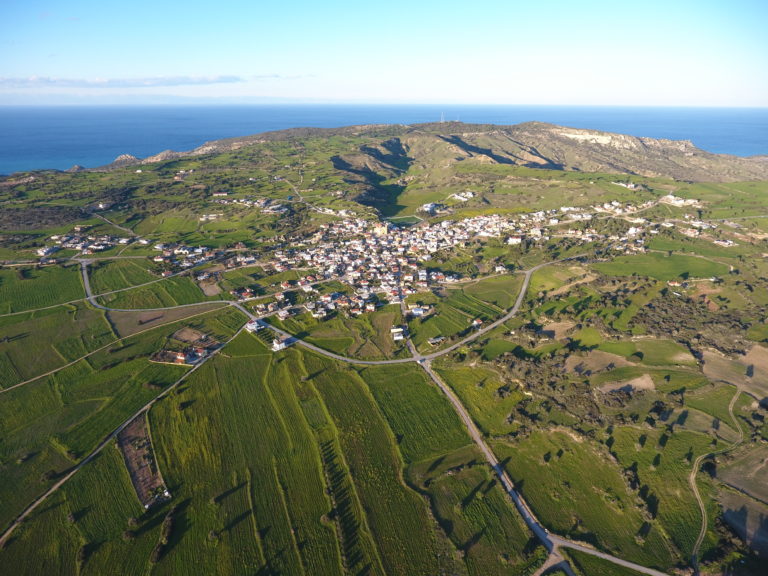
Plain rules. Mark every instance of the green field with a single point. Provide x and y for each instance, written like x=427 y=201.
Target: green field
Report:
x=38 y=342
x=174 y=291
x=455 y=311
x=489 y=398
x=662 y=266
x=30 y=288
x=366 y=336
x=50 y=424
x=315 y=454
x=473 y=510
x=54 y=422
x=500 y=291
x=577 y=490
x=422 y=420
x=109 y=275
x=587 y=565
x=597 y=397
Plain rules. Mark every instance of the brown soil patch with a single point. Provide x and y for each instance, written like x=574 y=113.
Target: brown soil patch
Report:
x=193 y=337
x=570 y=433
x=595 y=361
x=748 y=372
x=557 y=330
x=565 y=289
x=748 y=518
x=644 y=382
x=209 y=288
x=757 y=357
x=747 y=472
x=706 y=288
x=135 y=444
x=127 y=323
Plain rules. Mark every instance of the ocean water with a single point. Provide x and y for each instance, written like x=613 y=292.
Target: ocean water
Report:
x=34 y=138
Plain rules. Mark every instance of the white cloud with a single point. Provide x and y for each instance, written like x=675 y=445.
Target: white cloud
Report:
x=150 y=82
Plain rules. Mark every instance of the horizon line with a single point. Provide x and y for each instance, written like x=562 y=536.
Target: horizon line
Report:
x=213 y=103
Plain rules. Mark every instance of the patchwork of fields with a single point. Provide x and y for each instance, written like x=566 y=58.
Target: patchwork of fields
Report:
x=626 y=398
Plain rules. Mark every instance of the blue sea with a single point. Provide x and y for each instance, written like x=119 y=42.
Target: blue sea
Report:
x=34 y=138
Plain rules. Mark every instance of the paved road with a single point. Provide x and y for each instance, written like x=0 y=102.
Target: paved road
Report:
x=514 y=310
x=552 y=542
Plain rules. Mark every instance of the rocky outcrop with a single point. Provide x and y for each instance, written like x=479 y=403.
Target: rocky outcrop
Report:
x=124 y=160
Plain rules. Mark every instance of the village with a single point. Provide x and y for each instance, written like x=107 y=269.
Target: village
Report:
x=385 y=263
x=378 y=258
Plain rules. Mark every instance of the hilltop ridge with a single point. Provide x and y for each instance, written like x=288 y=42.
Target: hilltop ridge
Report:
x=530 y=144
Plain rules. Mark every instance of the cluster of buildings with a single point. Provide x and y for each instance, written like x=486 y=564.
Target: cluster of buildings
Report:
x=354 y=304
x=79 y=239
x=266 y=205
x=180 y=256
x=188 y=357
x=673 y=200
x=377 y=258
x=616 y=208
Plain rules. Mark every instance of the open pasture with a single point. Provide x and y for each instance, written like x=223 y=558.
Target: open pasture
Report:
x=749 y=372
x=746 y=471
x=501 y=291
x=131 y=322
x=578 y=490
x=662 y=266
x=35 y=343
x=489 y=399
x=748 y=518
x=554 y=277
x=661 y=463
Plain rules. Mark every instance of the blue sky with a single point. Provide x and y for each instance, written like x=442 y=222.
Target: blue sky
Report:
x=652 y=53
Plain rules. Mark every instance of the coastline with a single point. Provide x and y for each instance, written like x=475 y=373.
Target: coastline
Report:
x=40 y=138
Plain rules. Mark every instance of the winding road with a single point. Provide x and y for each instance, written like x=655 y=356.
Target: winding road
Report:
x=694 y=487
x=551 y=542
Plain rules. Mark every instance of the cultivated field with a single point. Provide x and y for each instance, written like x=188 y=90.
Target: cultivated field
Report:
x=25 y=288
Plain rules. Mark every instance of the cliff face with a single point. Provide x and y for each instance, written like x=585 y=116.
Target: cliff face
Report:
x=392 y=149
x=593 y=151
